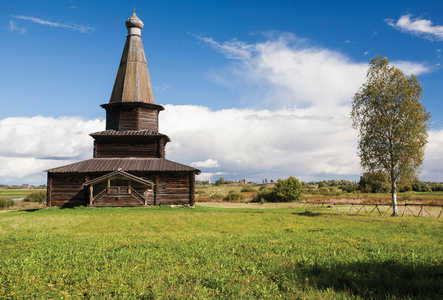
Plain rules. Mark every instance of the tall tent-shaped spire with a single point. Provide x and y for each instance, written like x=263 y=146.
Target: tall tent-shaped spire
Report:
x=133 y=83
x=132 y=104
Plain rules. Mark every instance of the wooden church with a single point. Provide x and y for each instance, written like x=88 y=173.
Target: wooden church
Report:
x=128 y=167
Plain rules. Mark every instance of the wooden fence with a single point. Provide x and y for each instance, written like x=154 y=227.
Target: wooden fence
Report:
x=414 y=209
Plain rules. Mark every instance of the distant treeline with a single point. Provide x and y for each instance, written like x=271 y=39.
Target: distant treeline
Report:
x=376 y=182
x=16 y=187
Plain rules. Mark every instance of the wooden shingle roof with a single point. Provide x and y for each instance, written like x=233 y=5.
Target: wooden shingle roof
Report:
x=123 y=164
x=113 y=133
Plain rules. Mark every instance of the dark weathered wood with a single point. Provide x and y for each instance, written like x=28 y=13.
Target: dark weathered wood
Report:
x=105 y=149
x=132 y=144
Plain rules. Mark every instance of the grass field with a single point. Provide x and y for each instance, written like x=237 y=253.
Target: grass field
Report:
x=17 y=192
x=228 y=253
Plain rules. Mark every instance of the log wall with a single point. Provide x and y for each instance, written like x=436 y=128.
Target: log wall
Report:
x=131 y=118
x=171 y=188
x=66 y=190
x=109 y=149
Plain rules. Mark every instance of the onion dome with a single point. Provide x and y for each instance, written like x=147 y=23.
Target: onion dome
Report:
x=134 y=21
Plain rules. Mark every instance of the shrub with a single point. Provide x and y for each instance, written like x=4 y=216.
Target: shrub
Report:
x=263 y=195
x=36 y=197
x=216 y=196
x=247 y=189
x=6 y=202
x=437 y=187
x=420 y=186
x=375 y=182
x=234 y=197
x=404 y=187
x=287 y=190
x=220 y=181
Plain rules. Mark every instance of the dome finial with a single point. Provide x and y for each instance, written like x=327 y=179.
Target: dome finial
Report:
x=134 y=21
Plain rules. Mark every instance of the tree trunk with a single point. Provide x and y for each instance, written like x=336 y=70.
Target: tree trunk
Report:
x=394 y=199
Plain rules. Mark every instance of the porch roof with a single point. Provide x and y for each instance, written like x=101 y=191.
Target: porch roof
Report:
x=119 y=173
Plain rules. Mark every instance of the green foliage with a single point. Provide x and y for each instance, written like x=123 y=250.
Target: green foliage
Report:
x=264 y=195
x=247 y=189
x=437 y=187
x=375 y=182
x=419 y=186
x=210 y=253
x=6 y=202
x=220 y=181
x=216 y=196
x=285 y=190
x=288 y=190
x=404 y=187
x=36 y=197
x=234 y=197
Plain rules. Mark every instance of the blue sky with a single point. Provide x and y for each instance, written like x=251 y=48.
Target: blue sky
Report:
x=252 y=89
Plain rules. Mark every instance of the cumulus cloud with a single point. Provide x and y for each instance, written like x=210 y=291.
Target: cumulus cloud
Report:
x=257 y=144
x=75 y=27
x=417 y=26
x=409 y=67
x=31 y=145
x=209 y=163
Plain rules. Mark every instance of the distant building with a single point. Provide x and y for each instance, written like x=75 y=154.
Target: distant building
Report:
x=26 y=186
x=243 y=181
x=128 y=167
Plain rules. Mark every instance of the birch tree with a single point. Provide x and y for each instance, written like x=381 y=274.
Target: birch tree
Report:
x=392 y=123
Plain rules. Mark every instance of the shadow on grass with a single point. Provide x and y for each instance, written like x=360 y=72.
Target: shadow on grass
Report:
x=308 y=213
x=376 y=280
x=31 y=209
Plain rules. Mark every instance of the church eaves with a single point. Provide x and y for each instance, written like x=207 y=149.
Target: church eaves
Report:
x=133 y=83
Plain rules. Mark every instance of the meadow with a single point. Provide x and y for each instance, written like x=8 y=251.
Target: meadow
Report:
x=18 y=192
x=216 y=252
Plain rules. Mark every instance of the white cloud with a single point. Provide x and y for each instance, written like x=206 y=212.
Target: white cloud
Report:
x=432 y=166
x=409 y=67
x=232 y=49
x=75 y=27
x=287 y=71
x=13 y=26
x=419 y=27
x=257 y=144
x=30 y=145
x=209 y=176
x=209 y=163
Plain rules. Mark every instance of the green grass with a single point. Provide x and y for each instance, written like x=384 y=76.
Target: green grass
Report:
x=18 y=192
x=204 y=253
